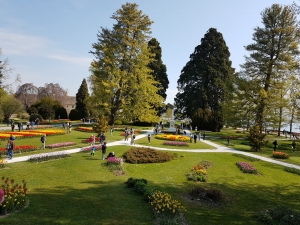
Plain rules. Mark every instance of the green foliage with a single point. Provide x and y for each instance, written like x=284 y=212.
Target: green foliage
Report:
x=159 y=70
x=46 y=107
x=101 y=126
x=206 y=82
x=292 y=170
x=74 y=115
x=256 y=138
x=81 y=96
x=207 y=119
x=246 y=157
x=35 y=116
x=273 y=55
x=121 y=80
x=146 y=155
x=118 y=122
x=280 y=215
x=9 y=105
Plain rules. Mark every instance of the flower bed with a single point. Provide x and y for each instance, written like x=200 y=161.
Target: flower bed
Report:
x=59 y=145
x=19 y=149
x=89 y=140
x=48 y=156
x=176 y=143
x=171 y=137
x=246 y=167
x=15 y=195
x=84 y=129
x=30 y=133
x=97 y=147
x=280 y=155
x=199 y=172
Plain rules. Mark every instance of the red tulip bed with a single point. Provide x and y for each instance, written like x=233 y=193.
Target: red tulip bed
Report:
x=89 y=140
x=20 y=149
x=84 y=129
x=176 y=143
x=280 y=155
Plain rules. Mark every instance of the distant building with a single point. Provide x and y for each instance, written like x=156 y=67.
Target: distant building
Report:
x=69 y=103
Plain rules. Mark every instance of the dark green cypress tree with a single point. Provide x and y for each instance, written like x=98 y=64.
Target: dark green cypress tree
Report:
x=159 y=70
x=81 y=96
x=205 y=82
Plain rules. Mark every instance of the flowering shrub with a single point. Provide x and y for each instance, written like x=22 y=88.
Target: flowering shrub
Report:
x=175 y=143
x=171 y=137
x=166 y=209
x=58 y=145
x=15 y=195
x=246 y=167
x=280 y=155
x=116 y=165
x=198 y=173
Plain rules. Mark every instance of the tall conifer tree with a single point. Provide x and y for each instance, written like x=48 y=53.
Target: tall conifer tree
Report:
x=206 y=82
x=81 y=96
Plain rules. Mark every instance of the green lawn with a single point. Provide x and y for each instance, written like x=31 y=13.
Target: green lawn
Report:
x=81 y=190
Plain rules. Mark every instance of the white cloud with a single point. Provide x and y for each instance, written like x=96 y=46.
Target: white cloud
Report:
x=84 y=61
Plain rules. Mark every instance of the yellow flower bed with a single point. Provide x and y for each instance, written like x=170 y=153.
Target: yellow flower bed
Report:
x=172 y=137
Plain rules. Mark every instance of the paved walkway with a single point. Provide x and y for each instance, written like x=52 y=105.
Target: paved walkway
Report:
x=219 y=149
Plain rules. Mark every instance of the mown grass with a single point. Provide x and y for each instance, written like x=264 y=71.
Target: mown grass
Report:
x=81 y=189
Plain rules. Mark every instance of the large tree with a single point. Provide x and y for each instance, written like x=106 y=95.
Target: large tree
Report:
x=205 y=82
x=274 y=51
x=159 y=70
x=10 y=105
x=81 y=97
x=27 y=94
x=121 y=80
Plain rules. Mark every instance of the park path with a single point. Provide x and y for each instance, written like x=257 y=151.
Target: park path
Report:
x=219 y=149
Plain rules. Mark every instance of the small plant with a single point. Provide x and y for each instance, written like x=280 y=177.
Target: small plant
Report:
x=199 y=172
x=132 y=181
x=280 y=155
x=246 y=167
x=201 y=193
x=15 y=195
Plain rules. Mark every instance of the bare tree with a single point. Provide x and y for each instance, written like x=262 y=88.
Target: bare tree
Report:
x=27 y=94
x=53 y=90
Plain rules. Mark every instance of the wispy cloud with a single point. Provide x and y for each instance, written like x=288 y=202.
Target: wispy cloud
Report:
x=84 y=61
x=13 y=43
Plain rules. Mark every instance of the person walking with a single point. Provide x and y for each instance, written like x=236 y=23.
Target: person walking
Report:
x=10 y=148
x=195 y=138
x=43 y=140
x=294 y=145
x=132 y=139
x=275 y=145
x=104 y=147
x=203 y=136
x=93 y=151
x=191 y=138
x=149 y=138
x=228 y=140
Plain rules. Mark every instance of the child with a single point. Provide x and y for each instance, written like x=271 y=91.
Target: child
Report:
x=93 y=151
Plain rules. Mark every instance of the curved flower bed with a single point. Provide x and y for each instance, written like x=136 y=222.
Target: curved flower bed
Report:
x=59 y=145
x=88 y=140
x=171 y=137
x=176 y=143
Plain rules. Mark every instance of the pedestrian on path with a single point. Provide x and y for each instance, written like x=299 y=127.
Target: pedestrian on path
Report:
x=203 y=136
x=228 y=140
x=275 y=145
x=294 y=145
x=191 y=138
x=104 y=147
x=195 y=138
x=10 y=148
x=149 y=137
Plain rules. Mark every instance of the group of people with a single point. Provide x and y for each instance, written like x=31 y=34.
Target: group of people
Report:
x=92 y=141
x=130 y=133
x=293 y=145
x=196 y=136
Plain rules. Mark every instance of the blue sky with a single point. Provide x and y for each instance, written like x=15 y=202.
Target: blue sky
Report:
x=49 y=41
